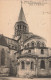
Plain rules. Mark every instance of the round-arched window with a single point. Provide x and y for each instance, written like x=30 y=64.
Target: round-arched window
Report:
x=42 y=51
x=38 y=44
x=28 y=45
x=23 y=65
x=42 y=64
x=43 y=45
x=32 y=44
x=2 y=57
x=32 y=65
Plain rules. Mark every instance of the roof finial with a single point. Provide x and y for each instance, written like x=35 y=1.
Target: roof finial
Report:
x=21 y=3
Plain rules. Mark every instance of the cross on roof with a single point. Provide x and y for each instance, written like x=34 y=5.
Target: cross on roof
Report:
x=21 y=3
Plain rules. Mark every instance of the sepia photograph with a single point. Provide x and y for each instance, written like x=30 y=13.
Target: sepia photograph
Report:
x=25 y=39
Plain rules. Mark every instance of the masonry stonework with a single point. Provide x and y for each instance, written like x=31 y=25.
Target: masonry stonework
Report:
x=26 y=54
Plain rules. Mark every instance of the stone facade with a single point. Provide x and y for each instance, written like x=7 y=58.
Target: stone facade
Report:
x=26 y=70
x=4 y=61
x=26 y=54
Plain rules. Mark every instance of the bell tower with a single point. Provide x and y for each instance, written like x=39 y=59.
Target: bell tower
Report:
x=21 y=26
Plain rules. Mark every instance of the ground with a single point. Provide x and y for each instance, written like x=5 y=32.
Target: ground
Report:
x=12 y=78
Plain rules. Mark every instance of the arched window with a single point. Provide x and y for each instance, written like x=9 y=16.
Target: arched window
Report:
x=49 y=64
x=24 y=27
x=12 y=47
x=42 y=51
x=20 y=26
x=29 y=51
x=25 y=46
x=22 y=65
x=43 y=45
x=38 y=44
x=42 y=64
x=32 y=65
x=28 y=45
x=2 y=57
x=32 y=43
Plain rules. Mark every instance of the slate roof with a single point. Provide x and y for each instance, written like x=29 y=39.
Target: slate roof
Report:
x=22 y=16
x=3 y=41
x=35 y=37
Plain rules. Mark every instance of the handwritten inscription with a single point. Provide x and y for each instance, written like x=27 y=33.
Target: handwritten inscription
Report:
x=35 y=2
x=47 y=12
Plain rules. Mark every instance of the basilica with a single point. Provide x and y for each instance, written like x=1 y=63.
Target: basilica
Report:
x=25 y=55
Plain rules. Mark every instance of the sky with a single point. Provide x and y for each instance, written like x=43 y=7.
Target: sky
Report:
x=38 y=17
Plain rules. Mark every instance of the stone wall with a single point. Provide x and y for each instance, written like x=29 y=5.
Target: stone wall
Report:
x=5 y=69
x=27 y=72
x=35 y=41
x=38 y=71
x=42 y=71
x=37 y=51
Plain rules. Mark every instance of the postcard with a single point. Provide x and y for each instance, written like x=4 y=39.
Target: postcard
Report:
x=25 y=39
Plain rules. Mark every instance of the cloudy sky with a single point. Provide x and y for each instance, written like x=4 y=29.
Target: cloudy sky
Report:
x=38 y=16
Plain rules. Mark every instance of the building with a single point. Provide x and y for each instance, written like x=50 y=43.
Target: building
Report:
x=26 y=55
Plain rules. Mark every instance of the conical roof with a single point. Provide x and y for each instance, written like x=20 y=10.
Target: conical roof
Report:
x=21 y=16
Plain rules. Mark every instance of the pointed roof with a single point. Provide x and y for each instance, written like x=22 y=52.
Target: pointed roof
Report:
x=21 y=16
x=3 y=41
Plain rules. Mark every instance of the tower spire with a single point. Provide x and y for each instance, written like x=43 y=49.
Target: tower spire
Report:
x=21 y=26
x=22 y=15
